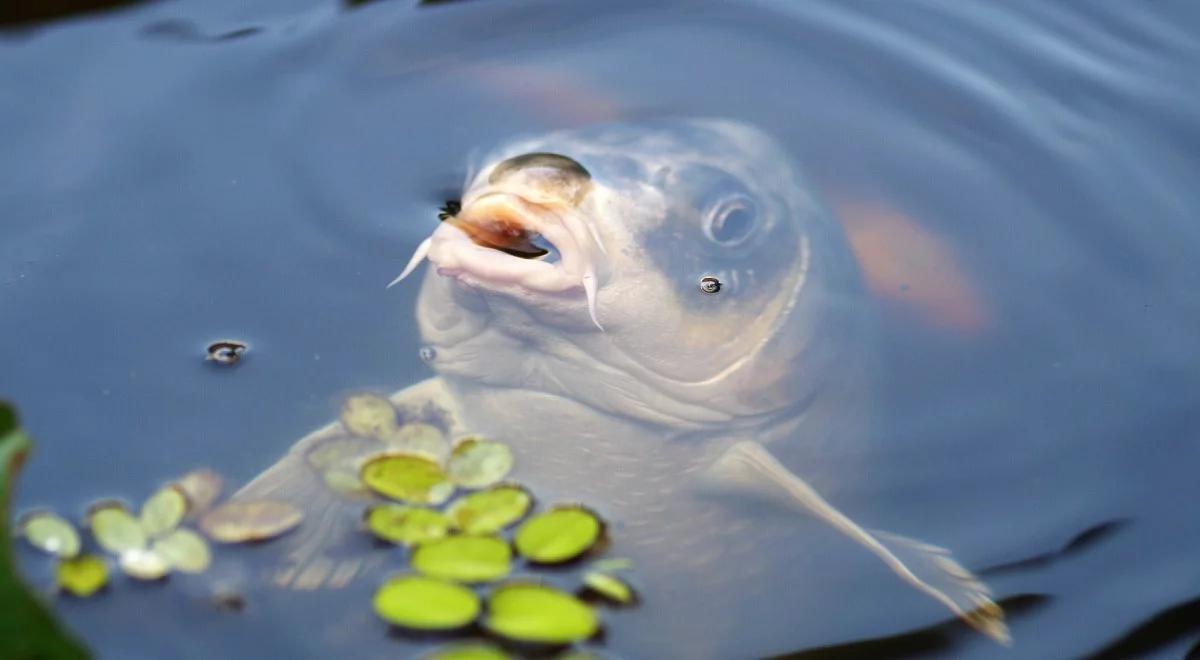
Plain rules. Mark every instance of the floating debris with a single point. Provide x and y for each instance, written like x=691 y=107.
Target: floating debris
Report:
x=467 y=651
x=609 y=587
x=422 y=603
x=469 y=559
x=144 y=564
x=50 y=533
x=255 y=520
x=490 y=511
x=114 y=528
x=406 y=525
x=530 y=612
x=184 y=551
x=201 y=488
x=407 y=478
x=163 y=511
x=226 y=351
x=369 y=416
x=83 y=575
x=558 y=535
x=477 y=463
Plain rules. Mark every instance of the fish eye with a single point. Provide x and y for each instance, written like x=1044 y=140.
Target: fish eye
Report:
x=731 y=221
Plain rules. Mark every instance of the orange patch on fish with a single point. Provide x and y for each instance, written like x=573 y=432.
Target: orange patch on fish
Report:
x=908 y=265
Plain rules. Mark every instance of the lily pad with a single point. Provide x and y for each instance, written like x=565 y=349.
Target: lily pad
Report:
x=406 y=525
x=558 y=535
x=408 y=478
x=341 y=451
x=115 y=529
x=464 y=558
x=417 y=438
x=477 y=463
x=489 y=511
x=345 y=483
x=50 y=533
x=610 y=587
x=201 y=488
x=468 y=651
x=184 y=551
x=529 y=612
x=369 y=416
x=82 y=576
x=144 y=564
x=163 y=511
x=422 y=603
x=252 y=520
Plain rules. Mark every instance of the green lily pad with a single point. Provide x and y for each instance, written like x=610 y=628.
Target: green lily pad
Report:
x=82 y=576
x=250 y=520
x=408 y=478
x=201 y=488
x=163 y=511
x=50 y=533
x=422 y=603
x=144 y=564
x=115 y=529
x=184 y=551
x=396 y=523
x=558 y=535
x=369 y=416
x=464 y=558
x=417 y=438
x=468 y=651
x=489 y=511
x=477 y=463
x=610 y=587
x=528 y=612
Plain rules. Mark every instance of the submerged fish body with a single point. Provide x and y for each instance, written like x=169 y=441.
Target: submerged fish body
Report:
x=564 y=307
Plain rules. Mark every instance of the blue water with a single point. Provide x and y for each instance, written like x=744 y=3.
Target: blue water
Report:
x=182 y=172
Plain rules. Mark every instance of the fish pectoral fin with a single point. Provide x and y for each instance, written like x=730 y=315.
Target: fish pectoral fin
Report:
x=747 y=467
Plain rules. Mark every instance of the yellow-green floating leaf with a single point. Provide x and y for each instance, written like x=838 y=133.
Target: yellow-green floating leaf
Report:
x=369 y=416
x=408 y=478
x=163 y=511
x=467 y=651
x=529 y=612
x=82 y=576
x=250 y=520
x=464 y=558
x=115 y=529
x=50 y=533
x=416 y=438
x=423 y=603
x=201 y=488
x=558 y=535
x=476 y=463
x=612 y=588
x=144 y=564
x=184 y=550
x=489 y=511
x=406 y=525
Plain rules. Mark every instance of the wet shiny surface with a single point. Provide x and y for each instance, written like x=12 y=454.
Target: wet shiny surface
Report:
x=1017 y=182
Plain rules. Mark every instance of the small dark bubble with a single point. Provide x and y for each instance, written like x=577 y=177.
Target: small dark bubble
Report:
x=428 y=354
x=226 y=352
x=710 y=284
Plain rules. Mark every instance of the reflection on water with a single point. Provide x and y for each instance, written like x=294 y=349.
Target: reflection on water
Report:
x=1016 y=181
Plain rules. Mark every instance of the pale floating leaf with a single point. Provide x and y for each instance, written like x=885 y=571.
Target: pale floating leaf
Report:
x=558 y=535
x=184 y=550
x=408 y=478
x=50 y=533
x=143 y=564
x=406 y=525
x=345 y=483
x=611 y=564
x=529 y=612
x=467 y=651
x=417 y=438
x=201 y=488
x=421 y=603
x=342 y=452
x=369 y=416
x=163 y=511
x=250 y=520
x=611 y=588
x=476 y=463
x=489 y=511
x=82 y=576
x=115 y=529
x=468 y=559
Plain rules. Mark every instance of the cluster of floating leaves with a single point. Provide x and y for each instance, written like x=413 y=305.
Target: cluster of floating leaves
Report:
x=462 y=551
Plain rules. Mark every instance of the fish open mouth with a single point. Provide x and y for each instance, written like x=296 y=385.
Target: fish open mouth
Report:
x=501 y=239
